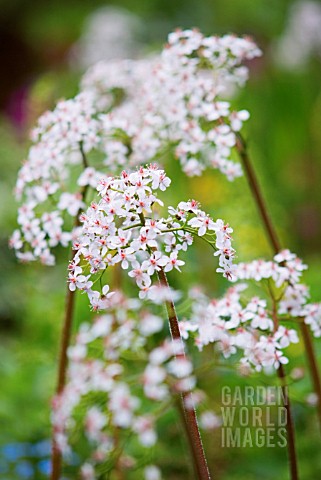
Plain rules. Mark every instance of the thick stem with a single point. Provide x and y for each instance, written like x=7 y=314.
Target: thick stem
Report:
x=187 y=409
x=257 y=194
x=289 y=426
x=56 y=458
x=186 y=406
x=276 y=247
x=293 y=468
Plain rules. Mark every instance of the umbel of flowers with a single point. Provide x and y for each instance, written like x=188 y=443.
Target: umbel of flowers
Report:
x=239 y=323
x=123 y=228
x=115 y=357
x=173 y=106
x=119 y=387
x=175 y=102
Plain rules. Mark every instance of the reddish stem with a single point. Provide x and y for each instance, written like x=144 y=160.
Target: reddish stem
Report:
x=276 y=247
x=186 y=407
x=188 y=412
x=257 y=194
x=293 y=467
x=56 y=458
x=289 y=425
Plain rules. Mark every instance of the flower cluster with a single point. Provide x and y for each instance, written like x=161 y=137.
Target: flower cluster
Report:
x=61 y=139
x=115 y=82
x=173 y=104
x=285 y=271
x=285 y=268
x=234 y=324
x=258 y=327
x=129 y=113
x=105 y=387
x=295 y=303
x=123 y=228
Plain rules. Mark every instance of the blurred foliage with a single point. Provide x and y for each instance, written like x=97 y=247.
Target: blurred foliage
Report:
x=285 y=144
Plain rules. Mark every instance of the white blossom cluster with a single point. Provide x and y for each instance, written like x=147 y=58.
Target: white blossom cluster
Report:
x=235 y=325
x=295 y=303
x=285 y=271
x=174 y=103
x=106 y=394
x=154 y=110
x=256 y=327
x=285 y=268
x=122 y=228
x=61 y=139
x=116 y=81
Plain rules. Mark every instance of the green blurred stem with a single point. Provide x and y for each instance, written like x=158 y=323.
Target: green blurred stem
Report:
x=276 y=247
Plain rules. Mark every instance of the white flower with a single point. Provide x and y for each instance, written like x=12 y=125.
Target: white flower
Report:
x=209 y=420
x=285 y=336
x=94 y=422
x=173 y=262
x=152 y=473
x=87 y=472
x=122 y=405
x=203 y=223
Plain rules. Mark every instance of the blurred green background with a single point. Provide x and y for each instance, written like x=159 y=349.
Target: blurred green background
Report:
x=36 y=38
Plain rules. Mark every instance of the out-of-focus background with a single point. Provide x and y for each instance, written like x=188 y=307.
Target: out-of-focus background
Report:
x=44 y=49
